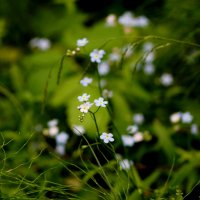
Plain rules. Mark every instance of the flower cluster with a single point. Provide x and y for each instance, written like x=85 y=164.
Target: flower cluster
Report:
x=184 y=118
x=134 y=135
x=61 y=138
x=86 y=105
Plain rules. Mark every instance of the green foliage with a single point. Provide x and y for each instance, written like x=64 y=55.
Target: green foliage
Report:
x=39 y=84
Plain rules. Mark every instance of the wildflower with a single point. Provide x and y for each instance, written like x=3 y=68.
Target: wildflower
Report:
x=149 y=68
x=166 y=79
x=148 y=46
x=82 y=42
x=186 y=118
x=140 y=21
x=96 y=55
x=128 y=50
x=194 y=129
x=126 y=19
x=127 y=140
x=100 y=102
x=107 y=93
x=53 y=122
x=132 y=129
x=85 y=97
x=107 y=137
x=138 y=137
x=53 y=130
x=86 y=81
x=125 y=164
x=138 y=118
x=103 y=68
x=110 y=20
x=115 y=55
x=175 y=117
x=60 y=149
x=150 y=57
x=62 y=138
x=84 y=108
x=78 y=130
x=40 y=43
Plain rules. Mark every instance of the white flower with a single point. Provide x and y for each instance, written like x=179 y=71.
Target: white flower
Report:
x=82 y=42
x=126 y=19
x=107 y=137
x=150 y=57
x=166 y=79
x=138 y=137
x=40 y=43
x=138 y=118
x=186 y=118
x=194 y=129
x=86 y=81
x=132 y=129
x=62 y=138
x=149 y=68
x=115 y=56
x=78 y=130
x=126 y=164
x=84 y=108
x=107 y=93
x=53 y=130
x=60 y=149
x=100 y=102
x=175 y=117
x=84 y=97
x=127 y=140
x=103 y=68
x=53 y=122
x=140 y=21
x=148 y=46
x=96 y=55
x=110 y=20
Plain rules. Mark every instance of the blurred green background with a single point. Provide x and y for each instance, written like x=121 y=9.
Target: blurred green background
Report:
x=30 y=96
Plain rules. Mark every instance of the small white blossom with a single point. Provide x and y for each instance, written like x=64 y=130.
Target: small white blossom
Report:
x=84 y=108
x=149 y=68
x=107 y=137
x=148 y=46
x=107 y=93
x=84 y=97
x=127 y=140
x=115 y=56
x=132 y=129
x=82 y=42
x=194 y=129
x=126 y=19
x=62 y=138
x=53 y=122
x=53 y=131
x=103 y=68
x=186 y=118
x=175 y=117
x=78 y=130
x=126 y=164
x=138 y=118
x=40 y=43
x=100 y=102
x=60 y=149
x=86 y=81
x=150 y=57
x=166 y=79
x=96 y=55
x=140 y=21
x=138 y=137
x=111 y=20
